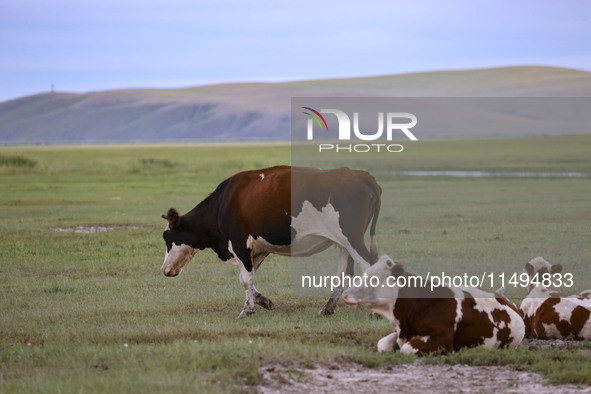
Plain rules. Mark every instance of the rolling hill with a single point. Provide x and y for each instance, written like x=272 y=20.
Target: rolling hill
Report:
x=249 y=111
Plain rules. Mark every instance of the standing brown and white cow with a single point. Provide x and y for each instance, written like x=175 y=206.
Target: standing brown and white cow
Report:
x=552 y=314
x=449 y=319
x=292 y=211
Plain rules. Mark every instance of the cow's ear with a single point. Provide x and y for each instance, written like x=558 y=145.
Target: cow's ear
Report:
x=397 y=270
x=556 y=268
x=173 y=218
x=529 y=268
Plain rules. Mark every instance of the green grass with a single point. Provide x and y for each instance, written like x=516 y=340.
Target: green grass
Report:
x=71 y=302
x=16 y=161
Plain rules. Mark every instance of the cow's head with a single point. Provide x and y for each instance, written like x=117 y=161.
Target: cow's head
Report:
x=179 y=244
x=540 y=267
x=377 y=293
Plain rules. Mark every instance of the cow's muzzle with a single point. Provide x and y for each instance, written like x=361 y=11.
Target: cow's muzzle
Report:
x=177 y=258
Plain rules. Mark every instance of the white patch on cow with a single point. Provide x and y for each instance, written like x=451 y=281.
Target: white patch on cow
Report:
x=551 y=331
x=262 y=176
x=231 y=249
x=407 y=348
x=491 y=341
x=586 y=330
x=317 y=230
x=565 y=307
x=517 y=328
x=177 y=258
x=458 y=296
x=388 y=343
x=373 y=245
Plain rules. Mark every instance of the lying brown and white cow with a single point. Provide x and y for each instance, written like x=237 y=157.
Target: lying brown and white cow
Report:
x=552 y=314
x=293 y=211
x=450 y=319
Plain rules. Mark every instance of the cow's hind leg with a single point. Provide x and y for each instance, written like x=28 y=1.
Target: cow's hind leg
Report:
x=331 y=304
x=259 y=298
x=346 y=268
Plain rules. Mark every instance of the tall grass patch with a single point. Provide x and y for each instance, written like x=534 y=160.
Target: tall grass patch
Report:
x=16 y=161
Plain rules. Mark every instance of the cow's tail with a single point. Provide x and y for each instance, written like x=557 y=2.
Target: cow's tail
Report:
x=373 y=247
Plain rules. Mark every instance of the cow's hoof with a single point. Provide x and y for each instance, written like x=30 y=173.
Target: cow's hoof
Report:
x=246 y=313
x=326 y=311
x=264 y=302
x=329 y=307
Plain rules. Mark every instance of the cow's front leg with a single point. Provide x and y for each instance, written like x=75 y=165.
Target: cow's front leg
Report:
x=388 y=343
x=421 y=345
x=246 y=276
x=247 y=280
x=247 y=271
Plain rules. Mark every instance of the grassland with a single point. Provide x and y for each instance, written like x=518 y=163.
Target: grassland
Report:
x=91 y=312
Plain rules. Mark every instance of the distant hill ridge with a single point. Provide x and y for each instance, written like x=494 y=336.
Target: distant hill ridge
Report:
x=250 y=111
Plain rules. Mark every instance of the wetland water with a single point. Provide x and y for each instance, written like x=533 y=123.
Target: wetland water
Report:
x=485 y=174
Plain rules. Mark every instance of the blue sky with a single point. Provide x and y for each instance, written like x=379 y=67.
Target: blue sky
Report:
x=81 y=46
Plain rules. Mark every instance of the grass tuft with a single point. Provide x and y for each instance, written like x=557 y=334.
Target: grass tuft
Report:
x=151 y=161
x=17 y=161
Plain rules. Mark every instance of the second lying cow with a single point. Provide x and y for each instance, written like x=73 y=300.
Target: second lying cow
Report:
x=450 y=319
x=553 y=314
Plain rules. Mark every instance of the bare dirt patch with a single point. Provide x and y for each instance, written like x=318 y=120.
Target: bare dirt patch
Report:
x=541 y=344
x=407 y=378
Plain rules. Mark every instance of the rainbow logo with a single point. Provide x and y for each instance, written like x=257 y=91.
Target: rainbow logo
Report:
x=315 y=118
